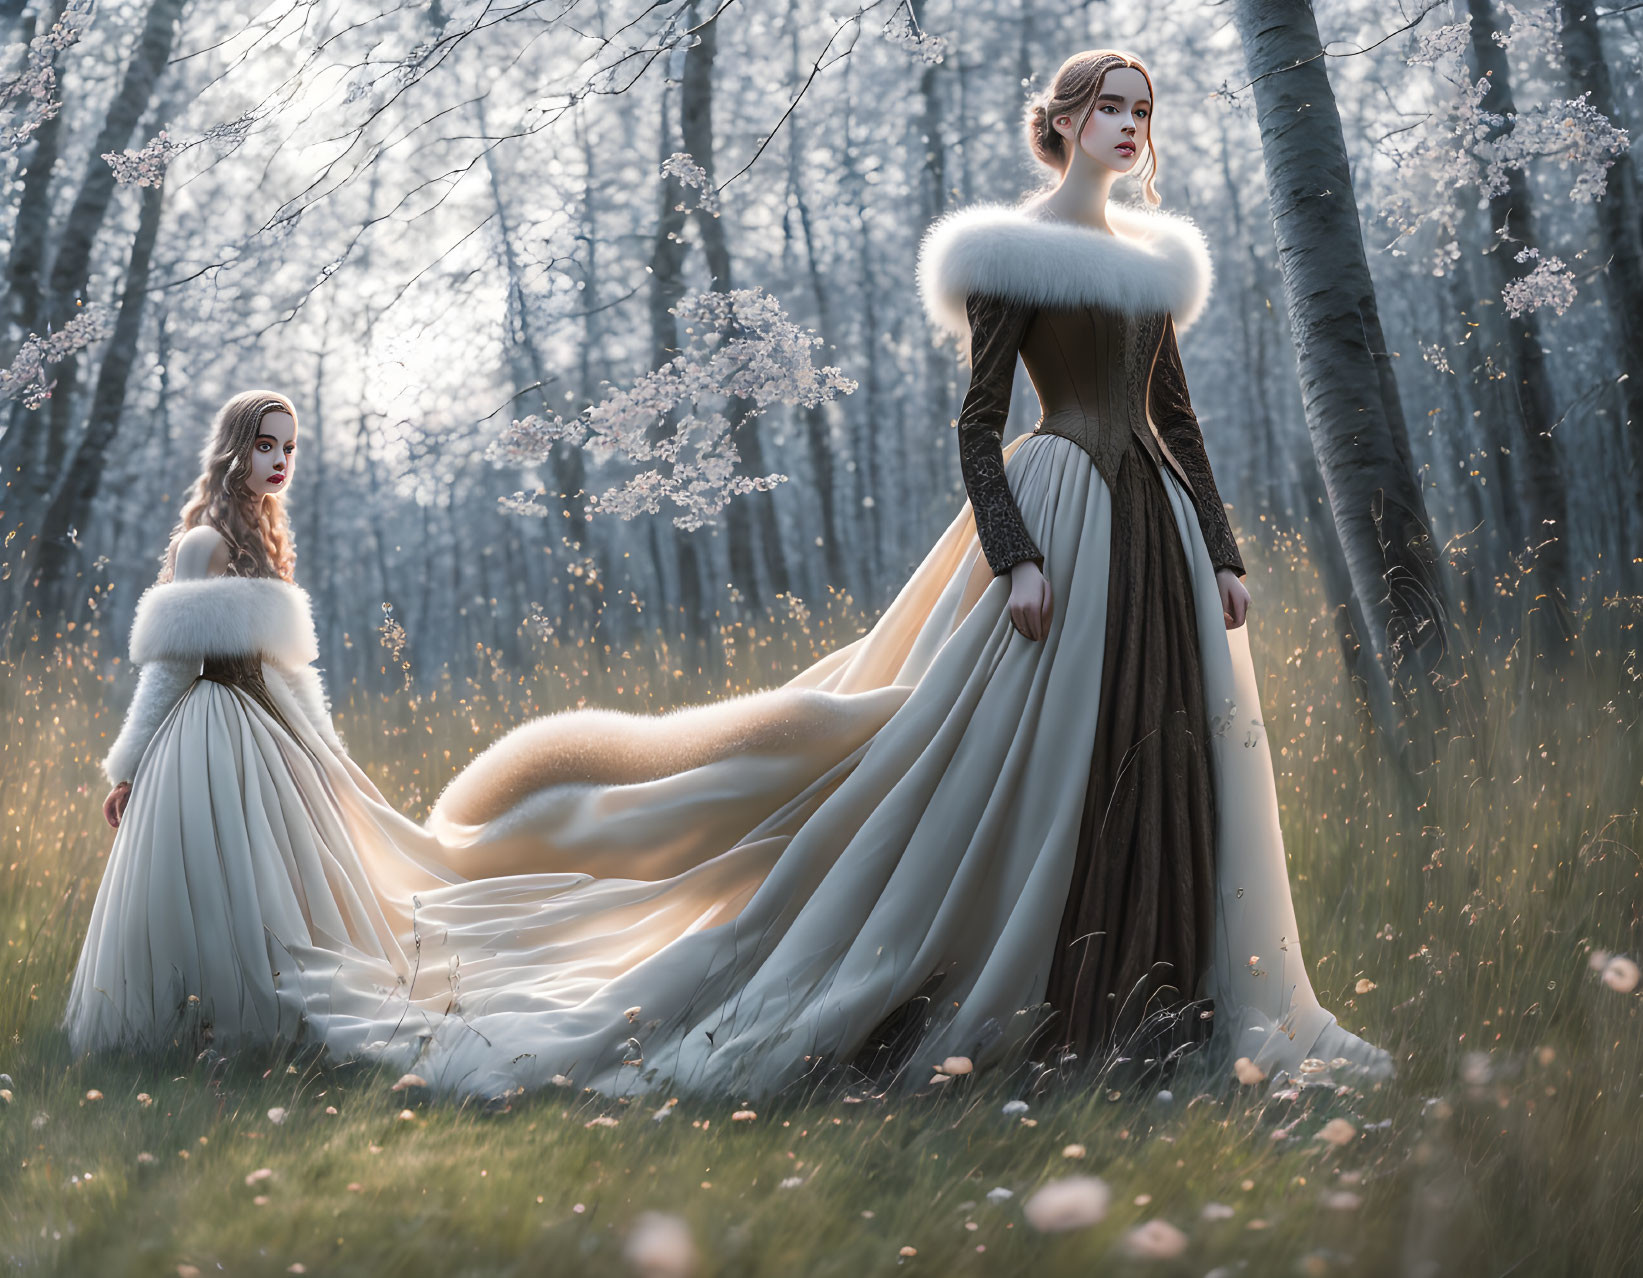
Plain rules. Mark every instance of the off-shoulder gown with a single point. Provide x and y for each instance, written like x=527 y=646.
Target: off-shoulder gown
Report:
x=943 y=827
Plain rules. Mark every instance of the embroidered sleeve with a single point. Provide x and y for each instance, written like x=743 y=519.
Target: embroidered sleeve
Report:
x=996 y=328
x=1171 y=410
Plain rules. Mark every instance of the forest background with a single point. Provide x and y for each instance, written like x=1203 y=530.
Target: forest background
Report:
x=615 y=388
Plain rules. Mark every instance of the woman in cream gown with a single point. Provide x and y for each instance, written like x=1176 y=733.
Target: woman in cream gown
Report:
x=728 y=898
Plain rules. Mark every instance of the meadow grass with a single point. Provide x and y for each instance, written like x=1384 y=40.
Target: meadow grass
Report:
x=1456 y=923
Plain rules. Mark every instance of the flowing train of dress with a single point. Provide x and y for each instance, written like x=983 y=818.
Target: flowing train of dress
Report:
x=763 y=879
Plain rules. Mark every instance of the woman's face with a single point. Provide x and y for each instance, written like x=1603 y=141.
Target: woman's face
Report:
x=272 y=454
x=1117 y=130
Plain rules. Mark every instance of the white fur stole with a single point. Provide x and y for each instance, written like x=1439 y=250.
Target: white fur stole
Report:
x=1154 y=261
x=224 y=617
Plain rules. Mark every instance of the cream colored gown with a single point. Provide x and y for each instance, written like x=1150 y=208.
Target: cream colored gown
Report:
x=720 y=900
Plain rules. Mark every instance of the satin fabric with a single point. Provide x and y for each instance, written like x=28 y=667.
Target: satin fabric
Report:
x=901 y=817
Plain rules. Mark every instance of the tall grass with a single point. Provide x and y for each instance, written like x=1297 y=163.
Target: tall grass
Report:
x=1458 y=928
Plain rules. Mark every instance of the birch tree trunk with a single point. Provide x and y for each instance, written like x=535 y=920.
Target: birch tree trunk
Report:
x=70 y=506
x=667 y=286
x=1542 y=489
x=1353 y=412
x=755 y=537
x=1618 y=228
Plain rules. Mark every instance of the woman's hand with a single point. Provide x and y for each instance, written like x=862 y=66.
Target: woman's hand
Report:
x=1030 y=602
x=1234 y=598
x=114 y=807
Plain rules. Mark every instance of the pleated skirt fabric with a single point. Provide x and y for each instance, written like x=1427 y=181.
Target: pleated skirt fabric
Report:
x=729 y=899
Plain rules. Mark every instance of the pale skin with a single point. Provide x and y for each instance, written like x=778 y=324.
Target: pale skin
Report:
x=1123 y=113
x=273 y=454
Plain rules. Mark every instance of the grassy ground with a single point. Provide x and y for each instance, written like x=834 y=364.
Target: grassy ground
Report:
x=1458 y=929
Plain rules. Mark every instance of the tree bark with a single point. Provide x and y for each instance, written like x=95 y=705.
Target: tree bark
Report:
x=71 y=265
x=667 y=260
x=1353 y=412
x=1619 y=228
x=70 y=506
x=1542 y=491
x=751 y=519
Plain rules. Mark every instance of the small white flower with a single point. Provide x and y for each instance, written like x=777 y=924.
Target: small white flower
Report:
x=1074 y=1202
x=1155 y=1240
x=1012 y=1108
x=660 y=1246
x=276 y=1115
x=999 y=1194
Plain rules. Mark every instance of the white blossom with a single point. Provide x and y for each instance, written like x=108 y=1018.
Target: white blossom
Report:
x=1551 y=283
x=735 y=344
x=26 y=378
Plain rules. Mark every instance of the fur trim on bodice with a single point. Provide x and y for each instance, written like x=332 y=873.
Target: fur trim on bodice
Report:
x=224 y=617
x=1155 y=261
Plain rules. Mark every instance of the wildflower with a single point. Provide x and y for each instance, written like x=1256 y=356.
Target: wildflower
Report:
x=908 y=1251
x=791 y=1182
x=1073 y=1151
x=1620 y=974
x=144 y=1099
x=146 y=1159
x=276 y=1115
x=1155 y=1240
x=1012 y=1108
x=559 y=1080
x=1248 y=1072
x=743 y=1116
x=94 y=1095
x=1364 y=985
x=408 y=1081
x=999 y=1194
x=406 y=1115
x=1337 y=1131
x=955 y=1065
x=258 y=1176
x=1074 y=1202
x=660 y=1246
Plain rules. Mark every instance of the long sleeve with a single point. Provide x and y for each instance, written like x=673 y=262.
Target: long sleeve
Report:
x=1171 y=409
x=996 y=328
x=160 y=686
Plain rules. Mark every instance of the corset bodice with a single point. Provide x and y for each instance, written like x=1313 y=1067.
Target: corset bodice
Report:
x=1091 y=368
x=244 y=671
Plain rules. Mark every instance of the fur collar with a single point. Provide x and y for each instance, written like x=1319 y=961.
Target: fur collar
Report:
x=1157 y=261
x=224 y=617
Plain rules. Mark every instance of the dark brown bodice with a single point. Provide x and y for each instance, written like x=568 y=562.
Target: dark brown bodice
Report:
x=244 y=671
x=1090 y=368
x=1103 y=377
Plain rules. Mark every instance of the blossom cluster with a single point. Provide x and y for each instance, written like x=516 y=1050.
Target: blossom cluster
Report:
x=735 y=345
x=681 y=165
x=144 y=167
x=1463 y=146
x=26 y=378
x=1529 y=31
x=35 y=86
x=1551 y=283
x=903 y=29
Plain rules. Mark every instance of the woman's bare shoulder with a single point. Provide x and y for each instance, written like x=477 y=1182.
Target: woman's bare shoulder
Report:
x=202 y=551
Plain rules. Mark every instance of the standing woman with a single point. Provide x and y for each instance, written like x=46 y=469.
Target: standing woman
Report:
x=233 y=859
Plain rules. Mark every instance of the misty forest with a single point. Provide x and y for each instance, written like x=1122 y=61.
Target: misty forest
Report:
x=615 y=389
